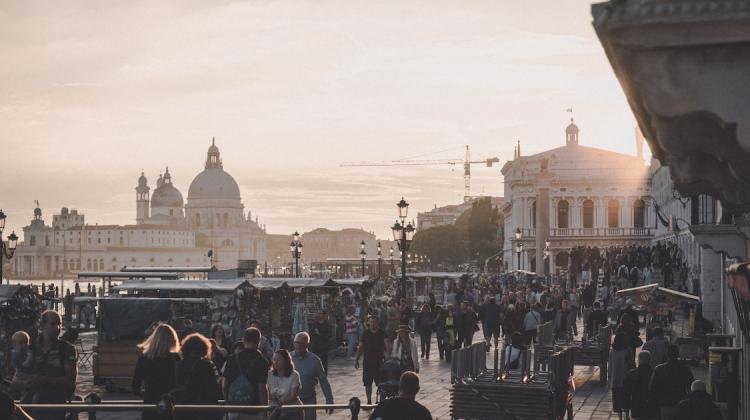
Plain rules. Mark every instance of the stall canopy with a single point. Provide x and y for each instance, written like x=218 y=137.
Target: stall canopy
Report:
x=291 y=282
x=7 y=291
x=127 y=275
x=359 y=281
x=168 y=269
x=651 y=293
x=436 y=274
x=209 y=285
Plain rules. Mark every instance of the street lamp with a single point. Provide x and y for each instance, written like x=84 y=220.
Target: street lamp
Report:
x=380 y=259
x=547 y=254
x=362 y=256
x=403 y=234
x=7 y=249
x=518 y=234
x=519 y=250
x=391 y=260
x=296 y=248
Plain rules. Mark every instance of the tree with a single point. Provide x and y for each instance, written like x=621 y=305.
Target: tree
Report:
x=442 y=244
x=482 y=227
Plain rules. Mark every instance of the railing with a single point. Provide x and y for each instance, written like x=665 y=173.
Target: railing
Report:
x=166 y=409
x=469 y=362
x=605 y=232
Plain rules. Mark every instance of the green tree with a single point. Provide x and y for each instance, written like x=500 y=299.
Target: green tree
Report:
x=482 y=228
x=442 y=244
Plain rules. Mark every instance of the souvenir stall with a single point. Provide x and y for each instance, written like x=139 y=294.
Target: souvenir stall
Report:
x=674 y=312
x=438 y=283
x=128 y=315
x=20 y=309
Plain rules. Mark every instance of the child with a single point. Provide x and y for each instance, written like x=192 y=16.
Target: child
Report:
x=22 y=361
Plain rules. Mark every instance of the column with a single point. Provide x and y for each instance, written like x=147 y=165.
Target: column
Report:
x=542 y=219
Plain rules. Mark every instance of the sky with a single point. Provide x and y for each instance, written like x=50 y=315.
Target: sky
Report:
x=92 y=93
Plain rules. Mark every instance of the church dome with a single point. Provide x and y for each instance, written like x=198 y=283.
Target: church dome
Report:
x=213 y=182
x=166 y=195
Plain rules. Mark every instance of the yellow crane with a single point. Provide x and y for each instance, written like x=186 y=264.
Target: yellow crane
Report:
x=467 y=162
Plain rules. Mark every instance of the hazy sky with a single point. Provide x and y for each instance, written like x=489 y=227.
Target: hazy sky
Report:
x=91 y=93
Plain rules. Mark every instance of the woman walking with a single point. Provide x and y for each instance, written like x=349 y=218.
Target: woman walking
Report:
x=284 y=385
x=405 y=349
x=424 y=327
x=155 y=370
x=197 y=380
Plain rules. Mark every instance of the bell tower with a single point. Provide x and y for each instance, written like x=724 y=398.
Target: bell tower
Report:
x=571 y=134
x=141 y=200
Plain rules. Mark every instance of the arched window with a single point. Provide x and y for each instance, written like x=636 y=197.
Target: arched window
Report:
x=613 y=213
x=198 y=220
x=226 y=220
x=533 y=215
x=562 y=214
x=639 y=213
x=588 y=214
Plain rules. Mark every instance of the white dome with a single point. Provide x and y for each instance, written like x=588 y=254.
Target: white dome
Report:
x=166 y=196
x=214 y=183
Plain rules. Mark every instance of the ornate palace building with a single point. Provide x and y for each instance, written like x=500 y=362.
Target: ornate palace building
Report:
x=573 y=195
x=167 y=233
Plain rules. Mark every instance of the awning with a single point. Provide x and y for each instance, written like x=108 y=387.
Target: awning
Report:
x=213 y=285
x=644 y=293
x=167 y=269
x=438 y=274
x=127 y=275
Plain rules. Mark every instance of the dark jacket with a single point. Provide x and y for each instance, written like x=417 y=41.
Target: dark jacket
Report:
x=670 y=383
x=636 y=392
x=424 y=323
x=697 y=406
x=597 y=318
x=489 y=313
x=197 y=383
x=320 y=336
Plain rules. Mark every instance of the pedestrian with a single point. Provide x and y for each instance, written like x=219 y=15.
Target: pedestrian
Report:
x=531 y=321
x=156 y=368
x=670 y=384
x=635 y=389
x=549 y=312
x=618 y=367
x=55 y=367
x=311 y=372
x=468 y=324
x=372 y=347
x=404 y=405
x=438 y=323
x=394 y=315
x=246 y=376
x=284 y=386
x=698 y=405
x=564 y=321
x=657 y=346
x=320 y=338
x=513 y=349
x=196 y=377
x=449 y=338
x=405 y=349
x=264 y=347
x=597 y=318
x=489 y=314
x=424 y=328
x=220 y=345
x=351 y=325
x=22 y=362
x=406 y=313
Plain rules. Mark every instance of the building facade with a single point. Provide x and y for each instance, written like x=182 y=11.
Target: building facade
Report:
x=447 y=215
x=573 y=195
x=210 y=229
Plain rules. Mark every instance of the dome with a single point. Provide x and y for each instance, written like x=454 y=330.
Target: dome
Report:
x=166 y=196
x=214 y=183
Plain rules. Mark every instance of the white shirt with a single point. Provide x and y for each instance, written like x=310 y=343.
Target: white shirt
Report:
x=282 y=388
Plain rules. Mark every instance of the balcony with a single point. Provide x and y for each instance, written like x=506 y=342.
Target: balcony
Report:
x=603 y=232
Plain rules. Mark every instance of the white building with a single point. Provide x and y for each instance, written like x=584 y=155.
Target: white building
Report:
x=167 y=232
x=573 y=195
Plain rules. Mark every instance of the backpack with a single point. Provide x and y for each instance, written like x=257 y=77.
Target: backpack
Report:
x=242 y=391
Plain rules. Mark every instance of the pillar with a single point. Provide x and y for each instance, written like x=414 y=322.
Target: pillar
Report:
x=542 y=218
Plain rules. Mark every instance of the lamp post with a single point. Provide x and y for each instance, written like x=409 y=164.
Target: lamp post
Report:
x=7 y=249
x=380 y=259
x=519 y=246
x=547 y=254
x=403 y=234
x=391 y=270
x=362 y=256
x=296 y=248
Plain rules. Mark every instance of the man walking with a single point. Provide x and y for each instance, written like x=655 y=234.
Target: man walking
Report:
x=635 y=389
x=489 y=313
x=55 y=368
x=670 y=384
x=657 y=346
x=245 y=376
x=698 y=405
x=320 y=337
x=468 y=324
x=372 y=346
x=404 y=405
x=311 y=372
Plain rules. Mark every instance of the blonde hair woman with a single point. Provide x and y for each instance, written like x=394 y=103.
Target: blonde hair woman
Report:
x=154 y=373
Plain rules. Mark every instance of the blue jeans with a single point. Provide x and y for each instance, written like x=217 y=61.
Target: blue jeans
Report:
x=351 y=344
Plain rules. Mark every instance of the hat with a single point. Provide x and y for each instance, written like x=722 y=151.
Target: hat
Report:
x=403 y=328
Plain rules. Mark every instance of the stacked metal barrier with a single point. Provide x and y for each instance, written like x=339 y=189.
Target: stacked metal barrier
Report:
x=593 y=352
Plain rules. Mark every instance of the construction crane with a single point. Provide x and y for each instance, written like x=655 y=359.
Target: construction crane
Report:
x=467 y=162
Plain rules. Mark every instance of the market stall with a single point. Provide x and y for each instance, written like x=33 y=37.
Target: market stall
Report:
x=20 y=309
x=439 y=283
x=673 y=311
